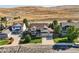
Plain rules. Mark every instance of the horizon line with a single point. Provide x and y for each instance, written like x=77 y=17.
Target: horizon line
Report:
x=14 y=6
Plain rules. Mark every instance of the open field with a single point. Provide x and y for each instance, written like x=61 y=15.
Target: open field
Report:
x=43 y=13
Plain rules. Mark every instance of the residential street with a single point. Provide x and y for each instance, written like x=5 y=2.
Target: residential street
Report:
x=71 y=50
x=25 y=48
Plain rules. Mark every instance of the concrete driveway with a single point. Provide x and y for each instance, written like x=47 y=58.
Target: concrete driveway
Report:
x=16 y=37
x=47 y=42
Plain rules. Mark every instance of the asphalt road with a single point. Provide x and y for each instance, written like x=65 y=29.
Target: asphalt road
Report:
x=71 y=50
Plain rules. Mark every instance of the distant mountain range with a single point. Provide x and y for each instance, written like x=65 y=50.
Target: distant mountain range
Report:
x=38 y=12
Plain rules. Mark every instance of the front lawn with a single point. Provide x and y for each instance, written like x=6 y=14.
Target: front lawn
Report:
x=36 y=41
x=64 y=40
x=61 y=40
x=30 y=39
x=3 y=42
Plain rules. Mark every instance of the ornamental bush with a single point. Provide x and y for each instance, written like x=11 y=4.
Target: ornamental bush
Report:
x=27 y=38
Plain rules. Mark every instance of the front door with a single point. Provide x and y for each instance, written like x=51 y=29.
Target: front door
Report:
x=49 y=36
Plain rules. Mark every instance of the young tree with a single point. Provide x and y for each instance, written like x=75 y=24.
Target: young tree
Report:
x=3 y=19
x=72 y=33
x=57 y=29
x=55 y=23
x=26 y=22
x=51 y=26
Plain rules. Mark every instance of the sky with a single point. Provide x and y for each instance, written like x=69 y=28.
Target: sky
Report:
x=7 y=6
x=15 y=3
x=12 y=6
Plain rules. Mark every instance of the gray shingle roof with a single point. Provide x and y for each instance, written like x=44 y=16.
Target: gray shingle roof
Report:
x=76 y=24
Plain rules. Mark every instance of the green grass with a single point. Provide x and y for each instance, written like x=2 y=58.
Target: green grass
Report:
x=36 y=41
x=3 y=42
x=64 y=40
x=60 y=40
x=76 y=41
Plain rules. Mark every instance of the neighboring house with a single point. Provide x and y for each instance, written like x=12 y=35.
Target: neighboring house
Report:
x=65 y=26
x=8 y=18
x=3 y=36
x=17 y=28
x=76 y=24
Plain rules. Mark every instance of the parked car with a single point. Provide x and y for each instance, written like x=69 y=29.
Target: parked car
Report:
x=75 y=46
x=62 y=46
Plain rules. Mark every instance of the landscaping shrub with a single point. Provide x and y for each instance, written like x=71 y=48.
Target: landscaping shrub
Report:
x=72 y=34
x=27 y=39
x=36 y=41
x=34 y=37
x=10 y=40
x=21 y=41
